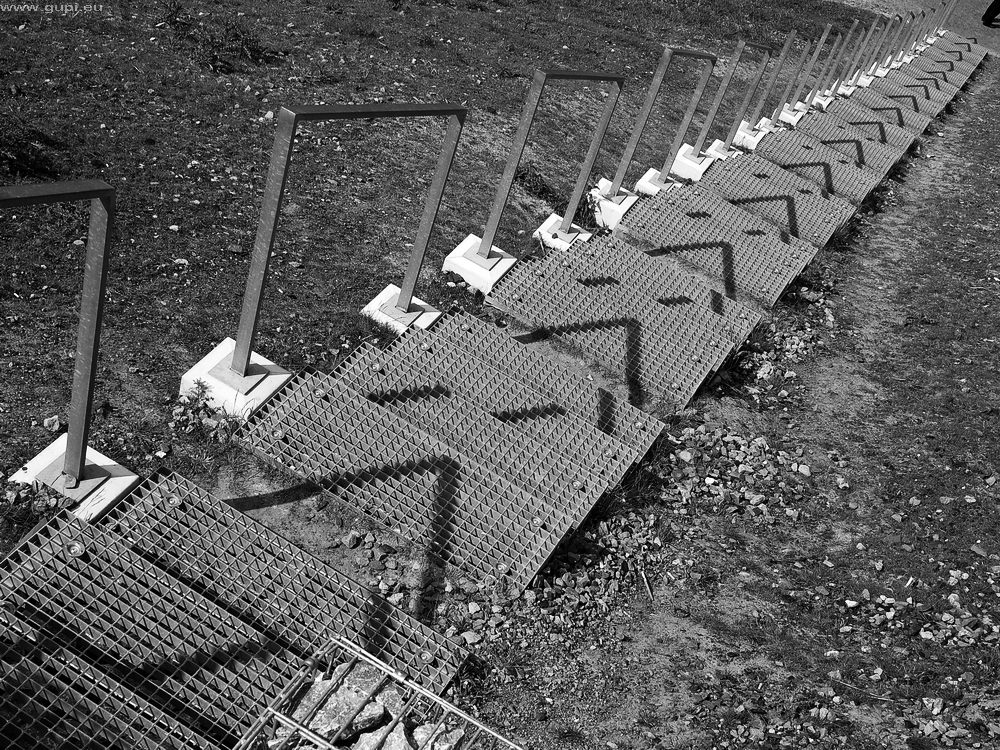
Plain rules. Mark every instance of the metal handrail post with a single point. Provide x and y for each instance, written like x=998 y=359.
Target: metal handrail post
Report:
x=773 y=79
x=752 y=87
x=719 y=95
x=102 y=199
x=696 y=96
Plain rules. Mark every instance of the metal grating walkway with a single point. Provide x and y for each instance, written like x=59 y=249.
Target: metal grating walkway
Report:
x=263 y=579
x=485 y=342
x=737 y=253
x=103 y=648
x=852 y=141
x=874 y=123
x=890 y=110
x=921 y=82
x=792 y=203
x=804 y=155
x=99 y=646
x=662 y=347
x=472 y=461
x=912 y=98
x=946 y=72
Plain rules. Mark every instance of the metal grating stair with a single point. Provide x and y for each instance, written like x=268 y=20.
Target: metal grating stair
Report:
x=804 y=155
x=81 y=609
x=663 y=348
x=851 y=141
x=910 y=97
x=478 y=464
x=892 y=111
x=875 y=123
x=736 y=252
x=792 y=203
x=270 y=583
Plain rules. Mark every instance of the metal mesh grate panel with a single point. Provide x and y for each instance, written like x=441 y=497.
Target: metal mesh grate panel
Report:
x=851 y=141
x=463 y=512
x=661 y=349
x=786 y=200
x=875 y=123
x=912 y=98
x=892 y=111
x=342 y=695
x=971 y=52
x=738 y=253
x=919 y=81
x=941 y=56
x=940 y=69
x=484 y=342
x=78 y=597
x=418 y=362
x=807 y=157
x=571 y=482
x=268 y=582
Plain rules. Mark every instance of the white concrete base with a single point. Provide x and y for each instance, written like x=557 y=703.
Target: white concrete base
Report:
x=383 y=310
x=748 y=137
x=611 y=209
x=227 y=391
x=550 y=236
x=688 y=165
x=651 y=184
x=791 y=116
x=822 y=102
x=719 y=151
x=478 y=272
x=881 y=71
x=847 y=89
x=104 y=481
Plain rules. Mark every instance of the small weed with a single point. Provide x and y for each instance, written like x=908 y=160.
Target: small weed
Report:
x=193 y=415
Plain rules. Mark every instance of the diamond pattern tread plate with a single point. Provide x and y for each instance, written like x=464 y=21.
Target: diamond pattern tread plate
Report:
x=264 y=579
x=792 y=203
x=462 y=511
x=851 y=141
x=488 y=343
x=86 y=618
x=877 y=124
x=922 y=82
x=892 y=111
x=942 y=70
x=806 y=156
x=736 y=252
x=661 y=350
x=912 y=98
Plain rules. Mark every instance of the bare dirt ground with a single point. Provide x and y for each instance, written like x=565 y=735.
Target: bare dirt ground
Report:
x=808 y=559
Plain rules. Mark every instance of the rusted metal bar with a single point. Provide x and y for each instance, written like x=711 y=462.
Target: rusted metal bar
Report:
x=95 y=279
x=277 y=177
x=541 y=77
x=748 y=97
x=699 y=92
x=804 y=76
x=734 y=62
x=655 y=85
x=588 y=161
x=773 y=80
